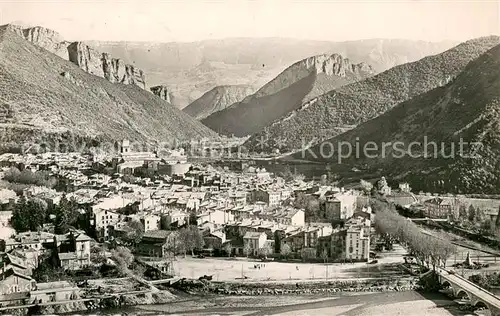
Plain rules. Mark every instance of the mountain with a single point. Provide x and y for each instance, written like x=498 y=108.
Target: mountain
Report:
x=191 y=69
x=466 y=110
x=41 y=93
x=299 y=83
x=343 y=108
x=84 y=56
x=216 y=100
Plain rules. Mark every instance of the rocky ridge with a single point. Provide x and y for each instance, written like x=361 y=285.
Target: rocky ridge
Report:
x=297 y=84
x=347 y=106
x=190 y=69
x=42 y=94
x=84 y=56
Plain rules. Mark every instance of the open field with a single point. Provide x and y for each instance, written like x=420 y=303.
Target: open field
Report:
x=233 y=269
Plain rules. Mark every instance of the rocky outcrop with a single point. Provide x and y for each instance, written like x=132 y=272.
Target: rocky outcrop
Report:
x=333 y=66
x=162 y=92
x=102 y=65
x=79 y=53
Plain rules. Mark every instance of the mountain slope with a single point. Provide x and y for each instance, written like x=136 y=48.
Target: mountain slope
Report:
x=300 y=82
x=191 y=69
x=79 y=53
x=466 y=110
x=41 y=90
x=345 y=107
x=216 y=100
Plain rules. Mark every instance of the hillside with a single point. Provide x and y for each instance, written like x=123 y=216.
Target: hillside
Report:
x=298 y=83
x=191 y=69
x=465 y=110
x=87 y=58
x=216 y=100
x=345 y=107
x=42 y=92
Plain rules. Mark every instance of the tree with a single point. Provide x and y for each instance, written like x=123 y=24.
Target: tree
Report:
x=382 y=186
x=462 y=213
x=308 y=253
x=488 y=227
x=480 y=216
x=471 y=213
x=28 y=214
x=123 y=258
x=324 y=255
x=366 y=186
x=135 y=232
x=277 y=241
x=228 y=248
x=265 y=251
x=427 y=249
x=166 y=222
x=191 y=239
x=192 y=219
x=20 y=220
x=97 y=255
x=67 y=215
x=247 y=250
x=285 y=250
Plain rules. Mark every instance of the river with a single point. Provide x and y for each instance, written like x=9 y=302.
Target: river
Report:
x=389 y=303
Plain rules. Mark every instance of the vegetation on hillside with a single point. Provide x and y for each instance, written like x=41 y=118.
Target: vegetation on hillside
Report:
x=343 y=108
x=47 y=92
x=435 y=124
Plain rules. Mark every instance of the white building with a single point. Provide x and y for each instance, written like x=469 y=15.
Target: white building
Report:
x=358 y=241
x=102 y=220
x=254 y=241
x=215 y=216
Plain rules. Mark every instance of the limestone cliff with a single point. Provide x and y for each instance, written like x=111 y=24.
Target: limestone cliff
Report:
x=326 y=66
x=86 y=57
x=162 y=92
x=102 y=65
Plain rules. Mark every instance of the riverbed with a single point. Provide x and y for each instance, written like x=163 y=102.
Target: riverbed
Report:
x=346 y=304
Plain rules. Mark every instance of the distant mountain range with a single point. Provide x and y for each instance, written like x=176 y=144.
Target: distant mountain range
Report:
x=191 y=69
x=217 y=100
x=298 y=83
x=465 y=110
x=43 y=94
x=347 y=106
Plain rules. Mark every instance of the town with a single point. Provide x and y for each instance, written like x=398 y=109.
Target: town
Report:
x=74 y=225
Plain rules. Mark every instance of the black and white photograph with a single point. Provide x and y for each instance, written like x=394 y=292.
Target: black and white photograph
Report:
x=250 y=157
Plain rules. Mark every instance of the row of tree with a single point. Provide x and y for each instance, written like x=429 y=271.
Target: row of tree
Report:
x=427 y=249
x=31 y=214
x=39 y=178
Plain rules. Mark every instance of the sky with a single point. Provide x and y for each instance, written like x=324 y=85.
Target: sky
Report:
x=193 y=20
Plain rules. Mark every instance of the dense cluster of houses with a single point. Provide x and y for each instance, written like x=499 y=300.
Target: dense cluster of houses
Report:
x=239 y=209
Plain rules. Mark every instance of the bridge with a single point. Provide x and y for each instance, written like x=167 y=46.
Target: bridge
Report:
x=462 y=288
x=428 y=219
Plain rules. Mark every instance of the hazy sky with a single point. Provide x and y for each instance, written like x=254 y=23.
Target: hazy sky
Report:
x=191 y=20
